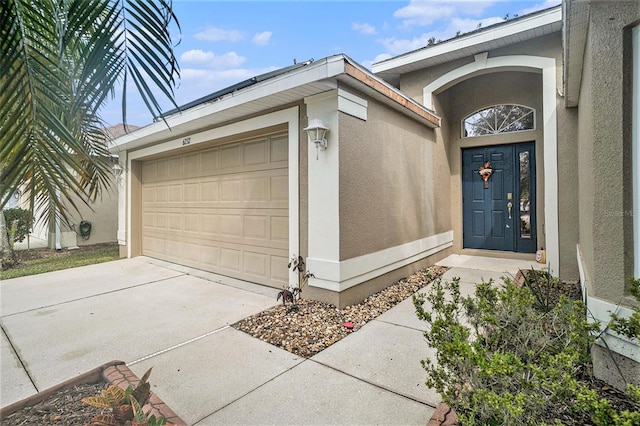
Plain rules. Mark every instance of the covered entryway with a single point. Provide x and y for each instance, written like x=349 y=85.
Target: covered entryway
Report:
x=499 y=197
x=222 y=209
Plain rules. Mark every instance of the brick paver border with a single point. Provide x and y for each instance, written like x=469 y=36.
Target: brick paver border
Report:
x=443 y=416
x=114 y=372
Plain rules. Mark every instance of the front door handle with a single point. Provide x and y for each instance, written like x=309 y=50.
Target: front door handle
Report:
x=509 y=205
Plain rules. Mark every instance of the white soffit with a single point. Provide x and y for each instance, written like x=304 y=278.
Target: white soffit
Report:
x=499 y=35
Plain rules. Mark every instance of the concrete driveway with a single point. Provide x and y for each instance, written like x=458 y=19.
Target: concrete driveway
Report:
x=150 y=313
x=60 y=324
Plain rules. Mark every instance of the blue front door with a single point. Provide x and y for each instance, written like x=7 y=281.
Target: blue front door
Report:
x=499 y=209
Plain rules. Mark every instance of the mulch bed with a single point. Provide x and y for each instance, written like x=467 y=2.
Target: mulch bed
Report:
x=308 y=327
x=64 y=408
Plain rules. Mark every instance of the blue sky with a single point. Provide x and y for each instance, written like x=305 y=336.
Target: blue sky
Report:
x=224 y=42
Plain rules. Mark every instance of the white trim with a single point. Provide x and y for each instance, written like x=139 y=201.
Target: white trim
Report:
x=601 y=310
x=340 y=275
x=294 y=193
x=323 y=181
x=352 y=104
x=550 y=137
x=635 y=138
x=121 y=184
x=582 y=274
x=288 y=116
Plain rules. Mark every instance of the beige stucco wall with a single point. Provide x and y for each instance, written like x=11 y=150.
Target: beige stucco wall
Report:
x=102 y=213
x=393 y=182
x=604 y=139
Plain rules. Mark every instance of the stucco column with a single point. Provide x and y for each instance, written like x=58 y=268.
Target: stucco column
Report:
x=122 y=199
x=323 y=179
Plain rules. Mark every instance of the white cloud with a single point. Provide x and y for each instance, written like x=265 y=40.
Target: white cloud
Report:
x=211 y=60
x=379 y=58
x=465 y=25
x=426 y=12
x=219 y=34
x=262 y=39
x=397 y=46
x=544 y=5
x=197 y=82
x=363 y=28
x=423 y=13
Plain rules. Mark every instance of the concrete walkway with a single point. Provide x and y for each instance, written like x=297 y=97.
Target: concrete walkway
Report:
x=150 y=313
x=30 y=243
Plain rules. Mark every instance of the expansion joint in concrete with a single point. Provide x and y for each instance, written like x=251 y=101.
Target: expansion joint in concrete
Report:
x=13 y=348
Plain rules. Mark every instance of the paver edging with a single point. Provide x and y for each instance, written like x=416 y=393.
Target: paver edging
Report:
x=443 y=416
x=113 y=372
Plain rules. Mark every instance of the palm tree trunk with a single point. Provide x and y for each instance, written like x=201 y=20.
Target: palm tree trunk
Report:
x=6 y=250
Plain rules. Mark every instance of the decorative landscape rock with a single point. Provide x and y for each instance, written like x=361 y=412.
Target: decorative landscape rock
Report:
x=314 y=326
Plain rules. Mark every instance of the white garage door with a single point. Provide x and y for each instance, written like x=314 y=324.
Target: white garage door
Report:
x=223 y=209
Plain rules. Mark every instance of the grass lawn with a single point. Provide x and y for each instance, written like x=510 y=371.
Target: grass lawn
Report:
x=37 y=261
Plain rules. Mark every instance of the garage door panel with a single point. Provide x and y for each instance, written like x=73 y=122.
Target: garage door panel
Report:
x=176 y=167
x=255 y=227
x=162 y=194
x=224 y=209
x=230 y=190
x=256 y=153
x=256 y=264
x=191 y=192
x=230 y=259
x=279 y=228
x=256 y=189
x=210 y=191
x=192 y=223
x=231 y=225
x=192 y=164
x=210 y=161
x=280 y=150
x=230 y=157
x=175 y=193
x=278 y=273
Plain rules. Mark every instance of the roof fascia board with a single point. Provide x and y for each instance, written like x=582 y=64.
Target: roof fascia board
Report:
x=391 y=93
x=477 y=38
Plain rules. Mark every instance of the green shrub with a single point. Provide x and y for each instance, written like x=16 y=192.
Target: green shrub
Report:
x=499 y=359
x=19 y=223
x=629 y=327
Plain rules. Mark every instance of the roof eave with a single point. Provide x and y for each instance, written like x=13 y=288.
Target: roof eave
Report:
x=315 y=77
x=574 y=33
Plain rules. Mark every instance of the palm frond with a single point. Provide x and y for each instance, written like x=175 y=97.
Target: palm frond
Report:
x=61 y=61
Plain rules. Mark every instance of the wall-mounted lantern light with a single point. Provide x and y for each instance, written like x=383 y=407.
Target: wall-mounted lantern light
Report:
x=316 y=131
x=117 y=170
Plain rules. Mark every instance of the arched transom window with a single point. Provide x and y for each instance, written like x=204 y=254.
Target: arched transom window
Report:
x=496 y=119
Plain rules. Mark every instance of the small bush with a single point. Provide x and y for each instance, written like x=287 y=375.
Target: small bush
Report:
x=19 y=223
x=499 y=359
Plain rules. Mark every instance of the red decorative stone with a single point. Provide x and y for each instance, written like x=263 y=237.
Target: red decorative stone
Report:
x=349 y=325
